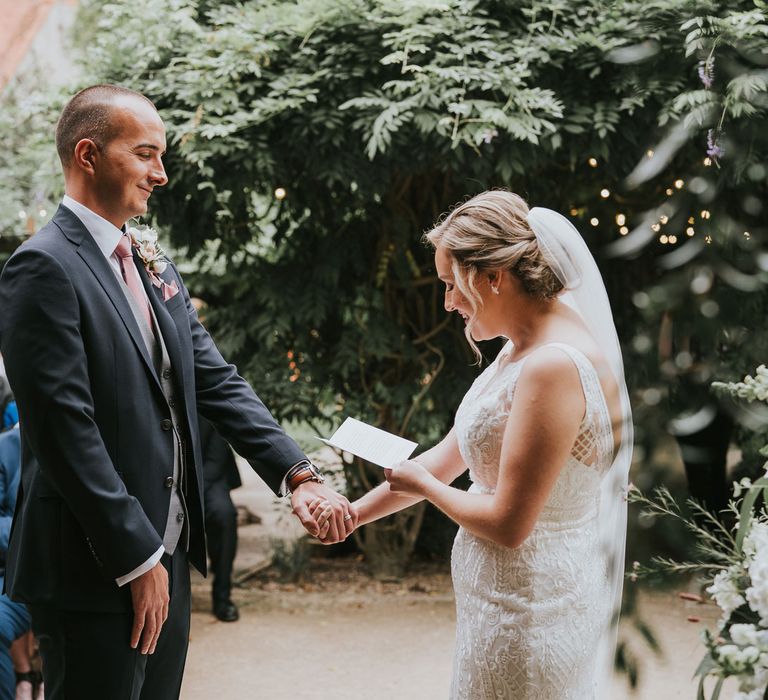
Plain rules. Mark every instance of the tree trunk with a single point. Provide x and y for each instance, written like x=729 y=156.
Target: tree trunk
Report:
x=388 y=543
x=704 y=452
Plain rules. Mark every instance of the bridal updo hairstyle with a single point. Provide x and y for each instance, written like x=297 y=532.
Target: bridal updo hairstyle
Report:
x=490 y=232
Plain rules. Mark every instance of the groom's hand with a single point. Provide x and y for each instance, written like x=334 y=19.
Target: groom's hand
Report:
x=150 y=607
x=336 y=520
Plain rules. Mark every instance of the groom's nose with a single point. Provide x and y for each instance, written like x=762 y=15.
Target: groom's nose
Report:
x=158 y=176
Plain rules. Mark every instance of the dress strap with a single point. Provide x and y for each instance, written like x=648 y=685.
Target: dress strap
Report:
x=594 y=396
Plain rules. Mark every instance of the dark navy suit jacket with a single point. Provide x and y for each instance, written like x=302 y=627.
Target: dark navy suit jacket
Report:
x=219 y=463
x=96 y=445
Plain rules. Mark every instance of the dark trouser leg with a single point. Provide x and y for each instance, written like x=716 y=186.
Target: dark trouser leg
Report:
x=86 y=656
x=221 y=529
x=165 y=667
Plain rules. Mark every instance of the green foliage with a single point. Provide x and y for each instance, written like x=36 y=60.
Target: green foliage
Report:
x=374 y=118
x=715 y=543
x=707 y=303
x=29 y=166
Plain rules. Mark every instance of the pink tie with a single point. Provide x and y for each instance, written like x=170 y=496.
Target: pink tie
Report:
x=131 y=277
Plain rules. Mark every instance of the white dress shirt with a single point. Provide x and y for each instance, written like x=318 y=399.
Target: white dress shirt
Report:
x=107 y=236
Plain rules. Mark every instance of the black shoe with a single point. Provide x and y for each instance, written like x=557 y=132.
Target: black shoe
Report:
x=226 y=611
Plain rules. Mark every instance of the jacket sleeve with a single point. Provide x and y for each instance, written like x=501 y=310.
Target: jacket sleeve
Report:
x=47 y=367
x=237 y=413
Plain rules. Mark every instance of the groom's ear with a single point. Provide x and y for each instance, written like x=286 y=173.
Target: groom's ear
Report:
x=86 y=152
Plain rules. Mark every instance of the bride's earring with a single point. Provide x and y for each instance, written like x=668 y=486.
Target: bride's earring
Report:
x=495 y=290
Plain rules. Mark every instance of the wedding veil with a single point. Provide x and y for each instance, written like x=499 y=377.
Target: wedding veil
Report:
x=571 y=260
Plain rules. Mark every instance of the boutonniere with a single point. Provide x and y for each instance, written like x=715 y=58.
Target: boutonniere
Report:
x=144 y=239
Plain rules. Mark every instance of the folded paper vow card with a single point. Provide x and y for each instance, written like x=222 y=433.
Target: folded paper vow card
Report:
x=370 y=443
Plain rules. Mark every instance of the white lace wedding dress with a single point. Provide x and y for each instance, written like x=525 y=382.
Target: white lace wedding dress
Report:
x=529 y=619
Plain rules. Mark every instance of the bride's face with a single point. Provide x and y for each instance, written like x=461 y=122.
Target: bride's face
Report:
x=456 y=301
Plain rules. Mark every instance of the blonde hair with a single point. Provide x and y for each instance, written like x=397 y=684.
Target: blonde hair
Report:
x=491 y=232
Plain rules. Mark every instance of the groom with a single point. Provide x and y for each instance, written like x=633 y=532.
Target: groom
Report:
x=110 y=368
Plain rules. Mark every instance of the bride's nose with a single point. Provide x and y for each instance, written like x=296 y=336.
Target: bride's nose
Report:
x=449 y=306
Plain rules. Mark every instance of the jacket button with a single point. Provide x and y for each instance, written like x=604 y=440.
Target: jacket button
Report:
x=166 y=424
x=168 y=482
x=172 y=403
x=166 y=374
x=179 y=517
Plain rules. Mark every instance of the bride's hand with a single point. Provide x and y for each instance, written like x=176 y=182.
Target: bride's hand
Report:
x=408 y=478
x=321 y=511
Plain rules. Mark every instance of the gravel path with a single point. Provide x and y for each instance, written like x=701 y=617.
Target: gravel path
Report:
x=357 y=639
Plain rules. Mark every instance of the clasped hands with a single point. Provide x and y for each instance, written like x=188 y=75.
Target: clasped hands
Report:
x=331 y=518
x=323 y=512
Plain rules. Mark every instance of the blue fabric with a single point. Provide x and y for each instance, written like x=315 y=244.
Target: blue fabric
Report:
x=14 y=618
x=14 y=622
x=10 y=415
x=10 y=463
x=7 y=676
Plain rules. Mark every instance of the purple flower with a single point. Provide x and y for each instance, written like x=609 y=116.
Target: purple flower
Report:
x=714 y=150
x=707 y=72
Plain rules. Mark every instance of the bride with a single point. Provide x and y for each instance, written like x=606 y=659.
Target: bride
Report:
x=546 y=434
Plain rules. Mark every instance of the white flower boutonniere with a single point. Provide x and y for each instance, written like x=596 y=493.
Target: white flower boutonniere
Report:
x=144 y=239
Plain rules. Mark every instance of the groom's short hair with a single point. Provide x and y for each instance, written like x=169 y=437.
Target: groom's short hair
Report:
x=89 y=115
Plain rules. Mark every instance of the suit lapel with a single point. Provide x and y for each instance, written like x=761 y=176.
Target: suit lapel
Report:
x=92 y=256
x=165 y=320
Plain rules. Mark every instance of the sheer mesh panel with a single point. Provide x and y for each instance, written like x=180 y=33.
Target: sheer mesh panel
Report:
x=585 y=448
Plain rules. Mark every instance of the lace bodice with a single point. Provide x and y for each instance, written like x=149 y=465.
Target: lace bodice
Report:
x=529 y=619
x=482 y=417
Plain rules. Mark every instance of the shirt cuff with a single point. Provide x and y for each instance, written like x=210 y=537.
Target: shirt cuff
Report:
x=142 y=568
